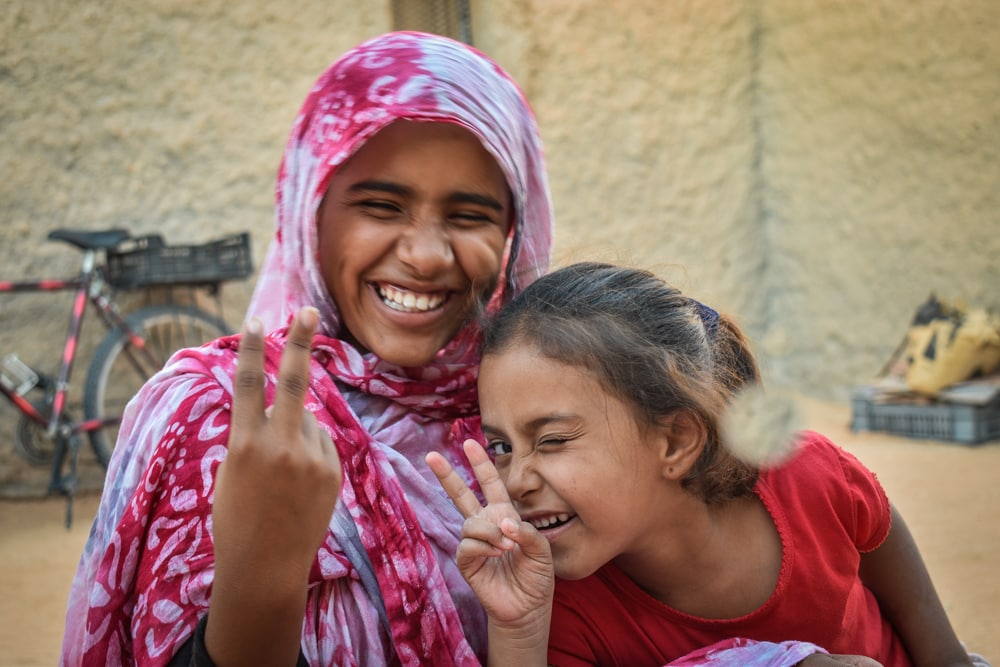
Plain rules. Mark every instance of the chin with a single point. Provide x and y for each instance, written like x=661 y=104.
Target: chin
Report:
x=407 y=358
x=574 y=572
x=407 y=352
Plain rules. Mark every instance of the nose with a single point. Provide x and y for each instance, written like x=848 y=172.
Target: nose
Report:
x=520 y=478
x=426 y=248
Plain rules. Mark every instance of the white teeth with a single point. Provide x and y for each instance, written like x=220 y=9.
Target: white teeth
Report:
x=542 y=524
x=409 y=302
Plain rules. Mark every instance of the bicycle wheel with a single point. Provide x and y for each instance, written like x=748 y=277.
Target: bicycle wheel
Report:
x=119 y=368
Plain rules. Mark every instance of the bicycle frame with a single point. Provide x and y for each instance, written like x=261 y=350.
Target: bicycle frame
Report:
x=90 y=286
x=126 y=340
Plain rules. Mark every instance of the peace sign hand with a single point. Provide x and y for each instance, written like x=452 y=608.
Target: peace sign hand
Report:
x=279 y=483
x=506 y=561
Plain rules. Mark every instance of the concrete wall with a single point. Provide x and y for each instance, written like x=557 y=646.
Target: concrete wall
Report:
x=880 y=173
x=814 y=168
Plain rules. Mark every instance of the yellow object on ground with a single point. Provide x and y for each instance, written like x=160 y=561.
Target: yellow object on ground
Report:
x=957 y=345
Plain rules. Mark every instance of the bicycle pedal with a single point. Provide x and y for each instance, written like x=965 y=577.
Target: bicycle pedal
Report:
x=17 y=376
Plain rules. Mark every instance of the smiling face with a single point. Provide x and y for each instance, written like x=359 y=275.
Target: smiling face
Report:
x=576 y=462
x=411 y=234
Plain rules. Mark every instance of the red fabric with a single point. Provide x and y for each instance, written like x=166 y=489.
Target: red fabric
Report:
x=828 y=508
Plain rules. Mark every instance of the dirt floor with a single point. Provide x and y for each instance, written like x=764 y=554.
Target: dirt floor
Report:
x=949 y=495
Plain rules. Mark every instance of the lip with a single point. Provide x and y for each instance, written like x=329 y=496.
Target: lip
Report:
x=553 y=534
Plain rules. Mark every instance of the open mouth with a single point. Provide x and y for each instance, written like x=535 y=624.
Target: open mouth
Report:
x=550 y=522
x=405 y=301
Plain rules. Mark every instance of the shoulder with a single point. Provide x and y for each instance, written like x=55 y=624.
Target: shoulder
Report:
x=822 y=477
x=194 y=385
x=819 y=460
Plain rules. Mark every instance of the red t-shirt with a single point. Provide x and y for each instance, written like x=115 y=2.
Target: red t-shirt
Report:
x=828 y=509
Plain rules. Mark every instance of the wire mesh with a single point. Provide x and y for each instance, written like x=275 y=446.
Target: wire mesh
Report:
x=450 y=18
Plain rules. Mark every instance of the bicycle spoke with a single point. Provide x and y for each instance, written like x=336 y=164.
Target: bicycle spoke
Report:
x=120 y=367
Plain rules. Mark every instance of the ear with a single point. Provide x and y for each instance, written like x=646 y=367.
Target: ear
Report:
x=681 y=440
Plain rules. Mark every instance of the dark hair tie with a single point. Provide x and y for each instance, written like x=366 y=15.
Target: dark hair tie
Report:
x=709 y=318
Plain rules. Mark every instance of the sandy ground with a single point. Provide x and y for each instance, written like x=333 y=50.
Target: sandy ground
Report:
x=949 y=495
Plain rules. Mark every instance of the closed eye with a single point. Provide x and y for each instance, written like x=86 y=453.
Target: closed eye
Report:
x=469 y=220
x=380 y=209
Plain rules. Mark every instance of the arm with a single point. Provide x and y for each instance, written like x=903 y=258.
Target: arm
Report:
x=274 y=495
x=896 y=574
x=506 y=561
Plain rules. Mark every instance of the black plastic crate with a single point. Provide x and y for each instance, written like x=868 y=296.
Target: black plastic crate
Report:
x=146 y=262
x=931 y=420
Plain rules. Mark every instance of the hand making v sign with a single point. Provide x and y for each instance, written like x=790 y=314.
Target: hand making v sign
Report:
x=506 y=561
x=275 y=491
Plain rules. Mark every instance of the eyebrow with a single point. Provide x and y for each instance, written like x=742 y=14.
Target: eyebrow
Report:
x=537 y=422
x=393 y=188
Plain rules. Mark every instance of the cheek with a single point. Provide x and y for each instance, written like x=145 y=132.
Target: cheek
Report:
x=480 y=257
x=330 y=261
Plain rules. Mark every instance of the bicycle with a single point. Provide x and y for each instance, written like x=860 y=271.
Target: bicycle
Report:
x=135 y=346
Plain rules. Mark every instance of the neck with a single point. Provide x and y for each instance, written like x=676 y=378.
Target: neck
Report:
x=712 y=561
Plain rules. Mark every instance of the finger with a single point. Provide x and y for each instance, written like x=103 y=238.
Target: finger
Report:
x=470 y=550
x=456 y=488
x=248 y=389
x=293 y=374
x=316 y=436
x=486 y=531
x=332 y=457
x=489 y=479
x=327 y=449
x=527 y=537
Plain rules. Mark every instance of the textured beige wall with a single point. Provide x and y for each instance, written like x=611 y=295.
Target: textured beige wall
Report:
x=815 y=168
x=880 y=174
x=645 y=110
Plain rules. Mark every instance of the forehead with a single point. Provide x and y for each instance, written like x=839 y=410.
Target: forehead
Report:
x=519 y=384
x=421 y=140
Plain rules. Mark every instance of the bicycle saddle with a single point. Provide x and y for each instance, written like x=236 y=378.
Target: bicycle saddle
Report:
x=108 y=238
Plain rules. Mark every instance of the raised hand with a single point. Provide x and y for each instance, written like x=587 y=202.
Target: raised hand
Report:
x=274 y=495
x=506 y=561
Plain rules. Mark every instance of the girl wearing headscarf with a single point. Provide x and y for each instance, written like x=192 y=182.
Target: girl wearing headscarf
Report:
x=383 y=587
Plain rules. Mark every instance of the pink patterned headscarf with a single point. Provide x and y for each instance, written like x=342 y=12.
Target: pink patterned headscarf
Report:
x=145 y=576
x=404 y=76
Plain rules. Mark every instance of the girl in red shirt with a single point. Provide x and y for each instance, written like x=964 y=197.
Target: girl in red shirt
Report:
x=600 y=390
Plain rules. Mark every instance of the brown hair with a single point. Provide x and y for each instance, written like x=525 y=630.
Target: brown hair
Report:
x=649 y=345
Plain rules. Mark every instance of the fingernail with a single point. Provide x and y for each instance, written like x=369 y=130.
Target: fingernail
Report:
x=310 y=316
x=254 y=326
